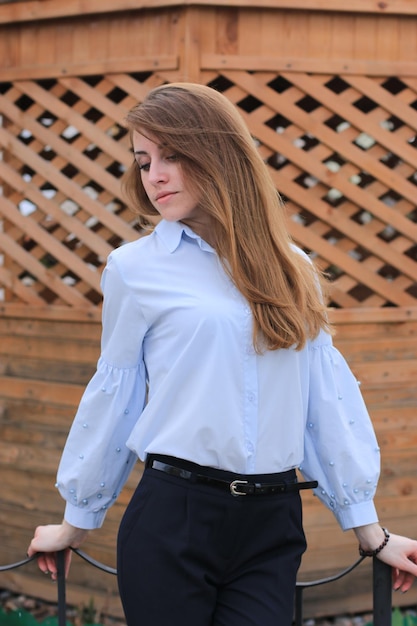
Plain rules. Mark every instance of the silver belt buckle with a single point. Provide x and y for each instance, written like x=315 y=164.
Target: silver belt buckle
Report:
x=233 y=487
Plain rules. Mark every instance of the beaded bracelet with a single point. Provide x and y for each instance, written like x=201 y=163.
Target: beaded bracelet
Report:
x=377 y=550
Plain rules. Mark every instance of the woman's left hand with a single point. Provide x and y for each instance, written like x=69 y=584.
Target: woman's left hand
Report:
x=399 y=552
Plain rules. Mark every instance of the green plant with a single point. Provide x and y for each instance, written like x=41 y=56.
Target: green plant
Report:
x=400 y=619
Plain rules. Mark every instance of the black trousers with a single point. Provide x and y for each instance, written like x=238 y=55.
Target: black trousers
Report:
x=193 y=555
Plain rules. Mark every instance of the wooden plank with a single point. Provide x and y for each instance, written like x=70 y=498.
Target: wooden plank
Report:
x=49 y=312
x=383 y=372
x=49 y=349
x=43 y=415
x=48 y=9
x=371 y=315
x=389 y=395
x=88 y=68
x=75 y=372
x=28 y=457
x=371 y=350
x=50 y=330
x=221 y=62
x=41 y=391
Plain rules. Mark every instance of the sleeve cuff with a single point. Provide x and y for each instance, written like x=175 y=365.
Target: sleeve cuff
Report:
x=355 y=515
x=80 y=518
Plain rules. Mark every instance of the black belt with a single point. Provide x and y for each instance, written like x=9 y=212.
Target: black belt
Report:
x=239 y=486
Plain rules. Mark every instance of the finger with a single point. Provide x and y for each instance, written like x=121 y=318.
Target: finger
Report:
x=50 y=560
x=402 y=580
x=32 y=550
x=42 y=564
x=407 y=582
x=68 y=557
x=398 y=578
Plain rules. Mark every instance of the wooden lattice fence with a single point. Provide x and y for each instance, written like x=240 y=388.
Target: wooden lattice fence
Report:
x=341 y=148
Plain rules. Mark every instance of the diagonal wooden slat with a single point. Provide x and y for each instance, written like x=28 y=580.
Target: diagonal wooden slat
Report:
x=70 y=296
x=61 y=147
x=50 y=244
x=392 y=104
x=26 y=294
x=333 y=216
x=66 y=185
x=355 y=269
x=50 y=208
x=353 y=115
x=335 y=141
x=75 y=119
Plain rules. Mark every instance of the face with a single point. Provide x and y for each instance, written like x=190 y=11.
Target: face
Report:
x=165 y=185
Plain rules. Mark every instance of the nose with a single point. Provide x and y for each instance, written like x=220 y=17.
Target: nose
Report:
x=157 y=172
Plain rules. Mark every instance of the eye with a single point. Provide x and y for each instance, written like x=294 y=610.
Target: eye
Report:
x=144 y=167
x=172 y=157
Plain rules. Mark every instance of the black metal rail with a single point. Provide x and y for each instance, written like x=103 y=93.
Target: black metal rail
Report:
x=381 y=589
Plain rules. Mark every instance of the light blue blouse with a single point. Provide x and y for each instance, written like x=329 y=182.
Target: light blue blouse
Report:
x=178 y=375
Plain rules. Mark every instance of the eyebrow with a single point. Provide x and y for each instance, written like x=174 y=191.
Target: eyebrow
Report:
x=160 y=146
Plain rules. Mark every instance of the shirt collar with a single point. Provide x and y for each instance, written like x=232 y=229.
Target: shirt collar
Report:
x=172 y=233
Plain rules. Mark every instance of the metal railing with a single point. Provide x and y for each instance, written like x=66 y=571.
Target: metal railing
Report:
x=381 y=590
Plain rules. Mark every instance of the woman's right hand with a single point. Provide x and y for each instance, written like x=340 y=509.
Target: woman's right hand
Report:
x=48 y=540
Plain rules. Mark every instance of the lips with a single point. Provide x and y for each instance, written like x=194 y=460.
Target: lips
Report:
x=164 y=194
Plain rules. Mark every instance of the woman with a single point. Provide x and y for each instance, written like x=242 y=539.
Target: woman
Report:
x=218 y=371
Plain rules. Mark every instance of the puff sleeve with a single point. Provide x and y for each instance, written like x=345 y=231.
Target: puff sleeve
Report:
x=341 y=449
x=96 y=462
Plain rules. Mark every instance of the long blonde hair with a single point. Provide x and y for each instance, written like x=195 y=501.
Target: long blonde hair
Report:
x=221 y=163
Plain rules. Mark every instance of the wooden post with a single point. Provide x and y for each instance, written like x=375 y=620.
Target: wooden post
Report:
x=189 y=46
